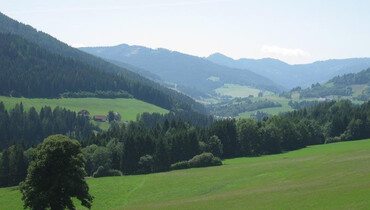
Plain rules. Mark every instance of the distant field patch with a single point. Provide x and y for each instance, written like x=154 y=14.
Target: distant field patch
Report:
x=357 y=89
x=331 y=176
x=128 y=108
x=235 y=90
x=214 y=79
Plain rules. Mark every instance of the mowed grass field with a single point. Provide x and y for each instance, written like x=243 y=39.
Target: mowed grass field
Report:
x=128 y=108
x=332 y=176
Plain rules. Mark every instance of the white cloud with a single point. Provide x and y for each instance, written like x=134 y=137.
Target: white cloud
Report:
x=273 y=50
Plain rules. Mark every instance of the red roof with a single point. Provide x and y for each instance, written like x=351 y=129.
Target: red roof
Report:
x=100 y=117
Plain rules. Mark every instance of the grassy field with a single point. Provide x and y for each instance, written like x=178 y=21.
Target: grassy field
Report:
x=333 y=176
x=128 y=108
x=274 y=110
x=235 y=90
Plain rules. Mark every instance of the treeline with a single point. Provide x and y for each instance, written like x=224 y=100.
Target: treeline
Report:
x=301 y=104
x=193 y=118
x=238 y=105
x=362 y=77
x=323 y=91
x=136 y=148
x=338 y=120
x=97 y=94
x=139 y=148
x=13 y=165
x=32 y=126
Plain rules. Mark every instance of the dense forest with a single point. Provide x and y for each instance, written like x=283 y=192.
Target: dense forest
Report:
x=138 y=148
x=138 y=86
x=30 y=127
x=238 y=105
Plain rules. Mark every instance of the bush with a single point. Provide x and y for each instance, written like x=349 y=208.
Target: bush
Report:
x=146 y=164
x=102 y=172
x=180 y=165
x=203 y=160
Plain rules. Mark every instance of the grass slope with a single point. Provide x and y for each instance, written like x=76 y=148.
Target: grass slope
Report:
x=333 y=176
x=128 y=108
x=235 y=90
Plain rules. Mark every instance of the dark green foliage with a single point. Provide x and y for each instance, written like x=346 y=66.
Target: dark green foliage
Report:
x=33 y=127
x=56 y=175
x=180 y=165
x=97 y=94
x=102 y=172
x=225 y=130
x=146 y=164
x=194 y=118
x=301 y=104
x=162 y=156
x=204 y=160
x=213 y=145
x=238 y=105
x=110 y=116
x=259 y=115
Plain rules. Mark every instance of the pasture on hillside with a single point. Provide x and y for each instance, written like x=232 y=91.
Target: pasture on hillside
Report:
x=127 y=107
x=331 y=176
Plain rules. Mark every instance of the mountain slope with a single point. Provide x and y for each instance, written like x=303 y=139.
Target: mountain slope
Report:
x=31 y=71
x=291 y=76
x=49 y=43
x=355 y=85
x=182 y=69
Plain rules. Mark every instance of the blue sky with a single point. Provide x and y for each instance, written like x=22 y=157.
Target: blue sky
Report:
x=293 y=31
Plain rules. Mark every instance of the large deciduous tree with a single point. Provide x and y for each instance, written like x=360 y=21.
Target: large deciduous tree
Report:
x=56 y=175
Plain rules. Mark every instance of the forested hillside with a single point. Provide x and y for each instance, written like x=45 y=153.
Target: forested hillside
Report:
x=355 y=85
x=134 y=81
x=30 y=71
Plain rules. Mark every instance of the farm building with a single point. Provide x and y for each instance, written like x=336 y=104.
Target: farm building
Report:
x=84 y=113
x=100 y=118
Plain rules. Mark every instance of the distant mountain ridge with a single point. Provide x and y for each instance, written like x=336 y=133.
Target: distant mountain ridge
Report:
x=291 y=76
x=183 y=69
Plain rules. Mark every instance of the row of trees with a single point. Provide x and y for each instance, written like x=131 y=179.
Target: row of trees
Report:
x=239 y=105
x=32 y=126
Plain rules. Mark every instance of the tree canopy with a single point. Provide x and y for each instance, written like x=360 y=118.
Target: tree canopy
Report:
x=56 y=175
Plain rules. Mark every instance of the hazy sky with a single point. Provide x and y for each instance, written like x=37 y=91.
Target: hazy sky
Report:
x=293 y=31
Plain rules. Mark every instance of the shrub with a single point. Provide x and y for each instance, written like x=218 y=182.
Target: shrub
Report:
x=101 y=172
x=180 y=165
x=203 y=160
x=146 y=164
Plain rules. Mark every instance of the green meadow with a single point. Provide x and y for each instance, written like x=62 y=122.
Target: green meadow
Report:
x=235 y=90
x=331 y=176
x=127 y=107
